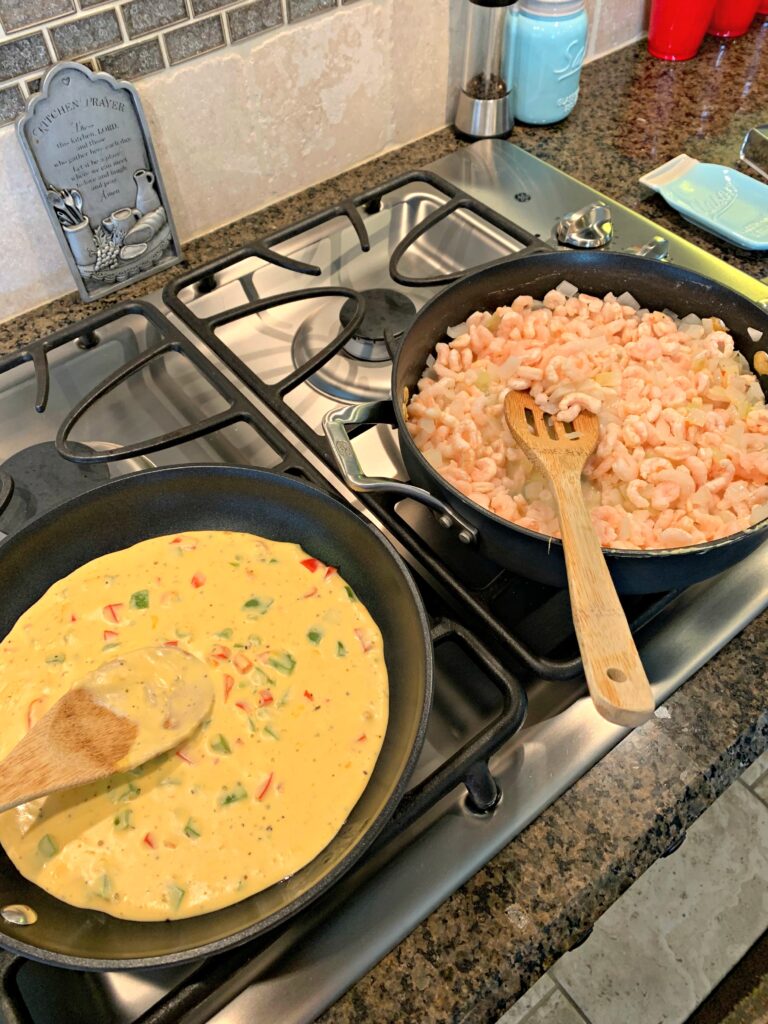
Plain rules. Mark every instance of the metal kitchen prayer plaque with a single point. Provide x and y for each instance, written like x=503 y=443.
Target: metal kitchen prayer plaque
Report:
x=88 y=145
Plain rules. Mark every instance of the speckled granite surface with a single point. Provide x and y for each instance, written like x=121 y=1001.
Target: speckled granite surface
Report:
x=472 y=957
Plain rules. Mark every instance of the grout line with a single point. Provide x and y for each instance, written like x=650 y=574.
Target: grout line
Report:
x=567 y=996
x=537 y=1006
x=751 y=791
x=121 y=25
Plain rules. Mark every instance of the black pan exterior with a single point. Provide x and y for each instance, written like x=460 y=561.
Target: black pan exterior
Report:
x=654 y=285
x=164 y=501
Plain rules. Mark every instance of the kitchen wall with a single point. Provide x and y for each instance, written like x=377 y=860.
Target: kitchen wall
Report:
x=247 y=102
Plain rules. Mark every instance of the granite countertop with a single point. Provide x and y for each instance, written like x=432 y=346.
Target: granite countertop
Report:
x=493 y=938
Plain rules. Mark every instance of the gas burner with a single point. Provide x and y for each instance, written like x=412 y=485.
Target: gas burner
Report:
x=385 y=311
x=344 y=378
x=42 y=479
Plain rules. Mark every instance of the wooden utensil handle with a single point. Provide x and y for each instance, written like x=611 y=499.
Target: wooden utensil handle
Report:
x=615 y=675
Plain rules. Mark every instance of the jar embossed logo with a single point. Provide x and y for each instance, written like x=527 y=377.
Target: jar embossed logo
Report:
x=574 y=58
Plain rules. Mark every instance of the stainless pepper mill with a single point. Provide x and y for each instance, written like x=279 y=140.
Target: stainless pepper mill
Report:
x=485 y=107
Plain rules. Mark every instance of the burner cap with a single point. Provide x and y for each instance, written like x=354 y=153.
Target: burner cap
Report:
x=42 y=479
x=385 y=309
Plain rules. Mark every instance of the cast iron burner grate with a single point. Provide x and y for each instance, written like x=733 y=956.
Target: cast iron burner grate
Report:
x=505 y=610
x=222 y=976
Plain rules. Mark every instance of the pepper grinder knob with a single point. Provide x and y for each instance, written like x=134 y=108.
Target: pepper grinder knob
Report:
x=591 y=227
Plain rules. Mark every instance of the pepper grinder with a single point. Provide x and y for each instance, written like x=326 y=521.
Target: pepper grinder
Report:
x=485 y=107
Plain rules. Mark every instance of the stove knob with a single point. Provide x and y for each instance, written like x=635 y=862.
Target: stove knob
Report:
x=656 y=249
x=588 y=228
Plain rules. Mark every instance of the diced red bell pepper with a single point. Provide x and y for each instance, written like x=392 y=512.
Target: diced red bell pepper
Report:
x=72 y=617
x=365 y=643
x=184 y=757
x=221 y=652
x=149 y=840
x=31 y=714
x=310 y=593
x=330 y=571
x=311 y=563
x=308 y=695
x=229 y=682
x=244 y=706
x=361 y=738
x=109 y=635
x=241 y=663
x=265 y=787
x=112 y=612
x=198 y=580
x=170 y=643
x=265 y=697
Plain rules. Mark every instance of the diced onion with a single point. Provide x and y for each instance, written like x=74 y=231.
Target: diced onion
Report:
x=625 y=299
x=566 y=288
x=457 y=331
x=754 y=334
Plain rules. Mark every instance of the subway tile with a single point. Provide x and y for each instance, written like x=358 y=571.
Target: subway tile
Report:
x=85 y=4
x=16 y=14
x=142 y=16
x=74 y=38
x=11 y=104
x=21 y=56
x=133 y=61
x=298 y=9
x=252 y=18
x=206 y=6
x=192 y=40
x=33 y=84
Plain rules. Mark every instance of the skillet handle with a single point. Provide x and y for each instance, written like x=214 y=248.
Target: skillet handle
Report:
x=335 y=424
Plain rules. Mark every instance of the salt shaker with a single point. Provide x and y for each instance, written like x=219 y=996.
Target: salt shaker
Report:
x=546 y=42
x=485 y=100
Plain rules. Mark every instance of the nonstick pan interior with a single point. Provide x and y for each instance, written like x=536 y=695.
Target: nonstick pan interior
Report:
x=157 y=502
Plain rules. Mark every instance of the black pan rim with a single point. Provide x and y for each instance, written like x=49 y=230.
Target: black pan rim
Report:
x=40 y=955
x=620 y=555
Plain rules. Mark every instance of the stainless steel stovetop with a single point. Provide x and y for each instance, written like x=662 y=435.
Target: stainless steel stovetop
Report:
x=296 y=974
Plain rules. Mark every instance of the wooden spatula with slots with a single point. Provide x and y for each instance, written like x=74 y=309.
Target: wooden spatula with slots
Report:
x=125 y=713
x=617 y=681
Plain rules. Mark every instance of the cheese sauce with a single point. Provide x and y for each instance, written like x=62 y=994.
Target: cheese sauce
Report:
x=263 y=785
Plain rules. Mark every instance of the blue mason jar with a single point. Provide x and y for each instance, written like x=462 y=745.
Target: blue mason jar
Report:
x=546 y=43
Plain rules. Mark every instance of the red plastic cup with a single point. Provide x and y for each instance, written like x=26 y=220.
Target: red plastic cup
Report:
x=732 y=18
x=677 y=27
x=762 y=8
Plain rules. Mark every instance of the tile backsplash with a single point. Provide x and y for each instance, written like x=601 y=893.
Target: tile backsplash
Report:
x=248 y=101
x=130 y=39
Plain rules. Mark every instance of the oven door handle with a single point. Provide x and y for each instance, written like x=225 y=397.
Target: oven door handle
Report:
x=337 y=424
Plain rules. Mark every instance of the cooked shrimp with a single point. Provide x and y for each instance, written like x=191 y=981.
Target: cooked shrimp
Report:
x=682 y=453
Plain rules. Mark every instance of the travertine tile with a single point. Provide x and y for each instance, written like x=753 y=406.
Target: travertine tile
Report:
x=133 y=61
x=74 y=38
x=143 y=16
x=21 y=56
x=534 y=997
x=761 y=789
x=192 y=40
x=657 y=952
x=252 y=18
x=756 y=770
x=17 y=14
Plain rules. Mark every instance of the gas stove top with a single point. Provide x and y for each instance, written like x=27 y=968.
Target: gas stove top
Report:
x=238 y=362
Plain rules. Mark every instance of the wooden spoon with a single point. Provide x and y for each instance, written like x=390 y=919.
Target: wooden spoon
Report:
x=125 y=713
x=617 y=681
